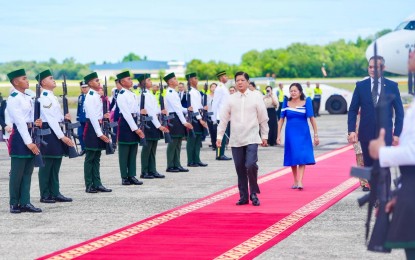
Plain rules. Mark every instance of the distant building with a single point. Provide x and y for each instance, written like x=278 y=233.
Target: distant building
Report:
x=138 y=67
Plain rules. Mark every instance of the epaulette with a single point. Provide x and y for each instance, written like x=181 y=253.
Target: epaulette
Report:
x=170 y=90
x=122 y=91
x=45 y=93
x=14 y=94
x=91 y=92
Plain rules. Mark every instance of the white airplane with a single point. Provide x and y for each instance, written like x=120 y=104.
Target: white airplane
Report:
x=395 y=46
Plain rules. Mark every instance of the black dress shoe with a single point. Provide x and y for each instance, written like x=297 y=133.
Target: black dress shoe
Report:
x=181 y=169
x=61 y=198
x=172 y=169
x=102 y=189
x=365 y=189
x=223 y=158
x=134 y=181
x=202 y=164
x=30 y=208
x=157 y=175
x=125 y=181
x=47 y=200
x=82 y=153
x=254 y=199
x=146 y=175
x=15 y=209
x=192 y=165
x=242 y=202
x=91 y=189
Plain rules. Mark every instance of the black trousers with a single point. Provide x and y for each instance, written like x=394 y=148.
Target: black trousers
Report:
x=213 y=130
x=245 y=159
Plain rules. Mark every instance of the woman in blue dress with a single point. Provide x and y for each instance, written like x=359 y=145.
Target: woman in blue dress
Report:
x=298 y=148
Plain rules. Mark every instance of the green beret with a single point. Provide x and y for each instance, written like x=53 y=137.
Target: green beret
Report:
x=220 y=73
x=16 y=73
x=191 y=75
x=143 y=77
x=169 y=76
x=88 y=77
x=44 y=74
x=123 y=75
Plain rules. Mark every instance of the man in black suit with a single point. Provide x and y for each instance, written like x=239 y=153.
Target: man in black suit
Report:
x=366 y=97
x=182 y=94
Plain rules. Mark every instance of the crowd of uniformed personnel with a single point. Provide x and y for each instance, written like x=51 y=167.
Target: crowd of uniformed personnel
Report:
x=139 y=117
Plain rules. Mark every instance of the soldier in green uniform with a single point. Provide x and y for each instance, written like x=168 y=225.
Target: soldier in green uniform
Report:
x=194 y=144
x=153 y=134
x=128 y=132
x=178 y=130
x=51 y=115
x=94 y=138
x=22 y=148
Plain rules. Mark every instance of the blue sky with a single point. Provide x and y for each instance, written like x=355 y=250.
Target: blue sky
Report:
x=92 y=30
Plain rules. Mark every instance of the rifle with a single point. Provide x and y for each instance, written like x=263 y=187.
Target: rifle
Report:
x=190 y=114
x=164 y=118
x=379 y=180
x=143 y=119
x=38 y=132
x=205 y=114
x=68 y=126
x=106 y=124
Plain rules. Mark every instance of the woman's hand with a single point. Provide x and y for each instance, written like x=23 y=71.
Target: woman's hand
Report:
x=279 y=140
x=316 y=140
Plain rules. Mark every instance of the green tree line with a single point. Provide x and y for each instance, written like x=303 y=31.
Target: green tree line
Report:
x=340 y=59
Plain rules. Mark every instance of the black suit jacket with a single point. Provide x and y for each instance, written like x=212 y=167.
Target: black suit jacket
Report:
x=370 y=122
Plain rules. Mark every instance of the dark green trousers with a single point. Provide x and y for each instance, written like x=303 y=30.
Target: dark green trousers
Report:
x=91 y=168
x=148 y=156
x=173 y=152
x=193 y=149
x=49 y=177
x=127 y=155
x=20 y=180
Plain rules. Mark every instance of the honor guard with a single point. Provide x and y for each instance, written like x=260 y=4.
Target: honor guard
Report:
x=128 y=132
x=194 y=144
x=178 y=130
x=116 y=114
x=153 y=134
x=80 y=115
x=219 y=101
x=94 y=138
x=22 y=148
x=52 y=117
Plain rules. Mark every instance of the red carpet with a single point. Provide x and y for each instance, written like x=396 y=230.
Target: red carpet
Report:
x=214 y=227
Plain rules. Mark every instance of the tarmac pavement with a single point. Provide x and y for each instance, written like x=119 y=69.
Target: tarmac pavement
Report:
x=338 y=233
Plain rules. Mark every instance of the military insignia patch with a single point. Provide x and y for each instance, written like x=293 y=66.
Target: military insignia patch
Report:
x=170 y=91
x=45 y=93
x=14 y=94
x=122 y=91
x=47 y=106
x=91 y=92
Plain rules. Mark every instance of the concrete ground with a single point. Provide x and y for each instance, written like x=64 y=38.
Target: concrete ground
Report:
x=337 y=233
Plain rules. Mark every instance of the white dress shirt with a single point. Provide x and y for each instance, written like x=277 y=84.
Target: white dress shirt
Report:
x=248 y=115
x=93 y=110
x=173 y=104
x=196 y=100
x=128 y=103
x=50 y=112
x=21 y=112
x=221 y=97
x=404 y=153
x=151 y=105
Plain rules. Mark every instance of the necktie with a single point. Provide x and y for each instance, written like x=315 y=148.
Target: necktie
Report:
x=375 y=93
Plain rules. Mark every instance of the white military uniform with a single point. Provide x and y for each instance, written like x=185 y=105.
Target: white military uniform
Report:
x=93 y=110
x=219 y=101
x=128 y=104
x=173 y=104
x=196 y=100
x=21 y=112
x=151 y=105
x=50 y=112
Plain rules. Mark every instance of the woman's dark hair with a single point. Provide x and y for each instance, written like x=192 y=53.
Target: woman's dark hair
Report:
x=212 y=85
x=246 y=76
x=268 y=87
x=300 y=88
